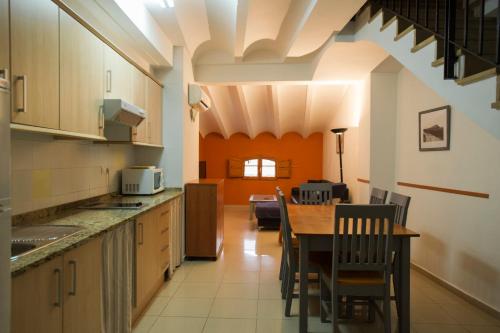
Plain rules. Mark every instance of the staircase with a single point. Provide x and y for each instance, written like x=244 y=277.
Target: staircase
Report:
x=465 y=32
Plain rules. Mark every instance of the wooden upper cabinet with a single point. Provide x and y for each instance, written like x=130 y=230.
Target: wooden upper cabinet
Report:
x=35 y=63
x=37 y=299
x=82 y=80
x=82 y=288
x=141 y=133
x=118 y=76
x=154 y=107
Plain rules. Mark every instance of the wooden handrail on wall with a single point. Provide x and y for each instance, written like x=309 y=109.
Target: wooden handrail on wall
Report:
x=361 y=180
x=446 y=190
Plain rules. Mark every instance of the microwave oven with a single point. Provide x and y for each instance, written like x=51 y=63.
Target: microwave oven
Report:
x=142 y=180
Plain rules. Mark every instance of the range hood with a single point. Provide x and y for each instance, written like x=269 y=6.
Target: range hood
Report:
x=120 y=111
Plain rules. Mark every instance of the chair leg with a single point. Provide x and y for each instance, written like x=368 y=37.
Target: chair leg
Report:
x=289 y=292
x=323 y=298
x=335 y=310
x=387 y=310
x=284 y=280
x=282 y=265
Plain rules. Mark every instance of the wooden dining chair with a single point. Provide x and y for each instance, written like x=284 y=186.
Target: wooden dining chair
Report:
x=402 y=203
x=291 y=258
x=316 y=194
x=361 y=261
x=378 y=196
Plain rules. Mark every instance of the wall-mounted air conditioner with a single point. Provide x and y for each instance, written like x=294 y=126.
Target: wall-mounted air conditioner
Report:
x=198 y=100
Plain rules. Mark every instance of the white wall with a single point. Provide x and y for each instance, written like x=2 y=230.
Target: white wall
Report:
x=48 y=172
x=180 y=157
x=383 y=129
x=354 y=114
x=459 y=234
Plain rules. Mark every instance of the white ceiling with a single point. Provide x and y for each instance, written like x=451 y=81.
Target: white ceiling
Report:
x=277 y=108
x=244 y=51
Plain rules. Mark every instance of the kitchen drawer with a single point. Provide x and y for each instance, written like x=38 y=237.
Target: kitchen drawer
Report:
x=164 y=216
x=164 y=258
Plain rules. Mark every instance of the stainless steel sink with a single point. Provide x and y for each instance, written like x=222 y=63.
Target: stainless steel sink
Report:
x=31 y=238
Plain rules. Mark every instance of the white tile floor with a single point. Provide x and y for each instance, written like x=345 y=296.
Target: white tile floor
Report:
x=239 y=293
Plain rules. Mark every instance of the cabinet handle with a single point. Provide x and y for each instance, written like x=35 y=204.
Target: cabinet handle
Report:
x=72 y=292
x=101 y=117
x=164 y=248
x=24 y=100
x=164 y=213
x=141 y=239
x=108 y=81
x=57 y=273
x=164 y=231
x=4 y=78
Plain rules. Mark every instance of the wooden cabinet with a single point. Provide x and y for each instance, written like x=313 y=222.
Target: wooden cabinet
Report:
x=118 y=76
x=82 y=81
x=163 y=236
x=147 y=273
x=37 y=299
x=61 y=295
x=82 y=292
x=204 y=217
x=35 y=63
x=152 y=254
x=141 y=132
x=154 y=106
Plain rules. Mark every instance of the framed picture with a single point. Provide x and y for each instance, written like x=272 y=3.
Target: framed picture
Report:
x=434 y=129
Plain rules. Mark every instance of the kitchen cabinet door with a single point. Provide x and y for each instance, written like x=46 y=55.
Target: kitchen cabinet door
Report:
x=35 y=62
x=82 y=288
x=118 y=76
x=141 y=132
x=82 y=80
x=163 y=235
x=37 y=299
x=147 y=273
x=154 y=107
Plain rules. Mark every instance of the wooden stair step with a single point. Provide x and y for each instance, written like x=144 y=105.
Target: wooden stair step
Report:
x=423 y=44
x=405 y=32
x=486 y=74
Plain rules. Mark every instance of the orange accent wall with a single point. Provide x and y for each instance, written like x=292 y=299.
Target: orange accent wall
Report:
x=306 y=156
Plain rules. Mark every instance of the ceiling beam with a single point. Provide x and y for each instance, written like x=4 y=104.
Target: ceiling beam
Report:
x=210 y=74
x=306 y=130
x=295 y=20
x=239 y=103
x=273 y=106
x=217 y=116
x=241 y=27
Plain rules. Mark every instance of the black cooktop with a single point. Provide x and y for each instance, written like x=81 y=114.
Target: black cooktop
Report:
x=115 y=205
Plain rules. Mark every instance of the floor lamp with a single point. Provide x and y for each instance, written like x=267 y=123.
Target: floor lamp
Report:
x=339 y=132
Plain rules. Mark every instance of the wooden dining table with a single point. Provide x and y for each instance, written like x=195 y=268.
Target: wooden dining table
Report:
x=313 y=226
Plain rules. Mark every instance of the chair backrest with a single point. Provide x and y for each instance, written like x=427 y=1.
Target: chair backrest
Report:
x=362 y=238
x=378 y=196
x=285 y=228
x=316 y=194
x=402 y=203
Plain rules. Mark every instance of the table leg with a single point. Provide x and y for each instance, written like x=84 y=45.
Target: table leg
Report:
x=404 y=286
x=252 y=210
x=303 y=294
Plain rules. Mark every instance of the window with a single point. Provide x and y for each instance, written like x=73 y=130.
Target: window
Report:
x=268 y=169
x=251 y=168
x=259 y=168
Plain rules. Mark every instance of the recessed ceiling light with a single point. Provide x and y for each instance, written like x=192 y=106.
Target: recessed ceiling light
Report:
x=170 y=3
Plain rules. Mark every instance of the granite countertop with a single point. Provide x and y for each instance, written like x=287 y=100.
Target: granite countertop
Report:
x=94 y=222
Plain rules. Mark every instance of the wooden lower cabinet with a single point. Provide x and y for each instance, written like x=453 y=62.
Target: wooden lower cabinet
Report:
x=204 y=217
x=61 y=295
x=82 y=289
x=152 y=254
x=37 y=297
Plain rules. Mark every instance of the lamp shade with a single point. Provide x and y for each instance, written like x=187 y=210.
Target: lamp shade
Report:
x=338 y=131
